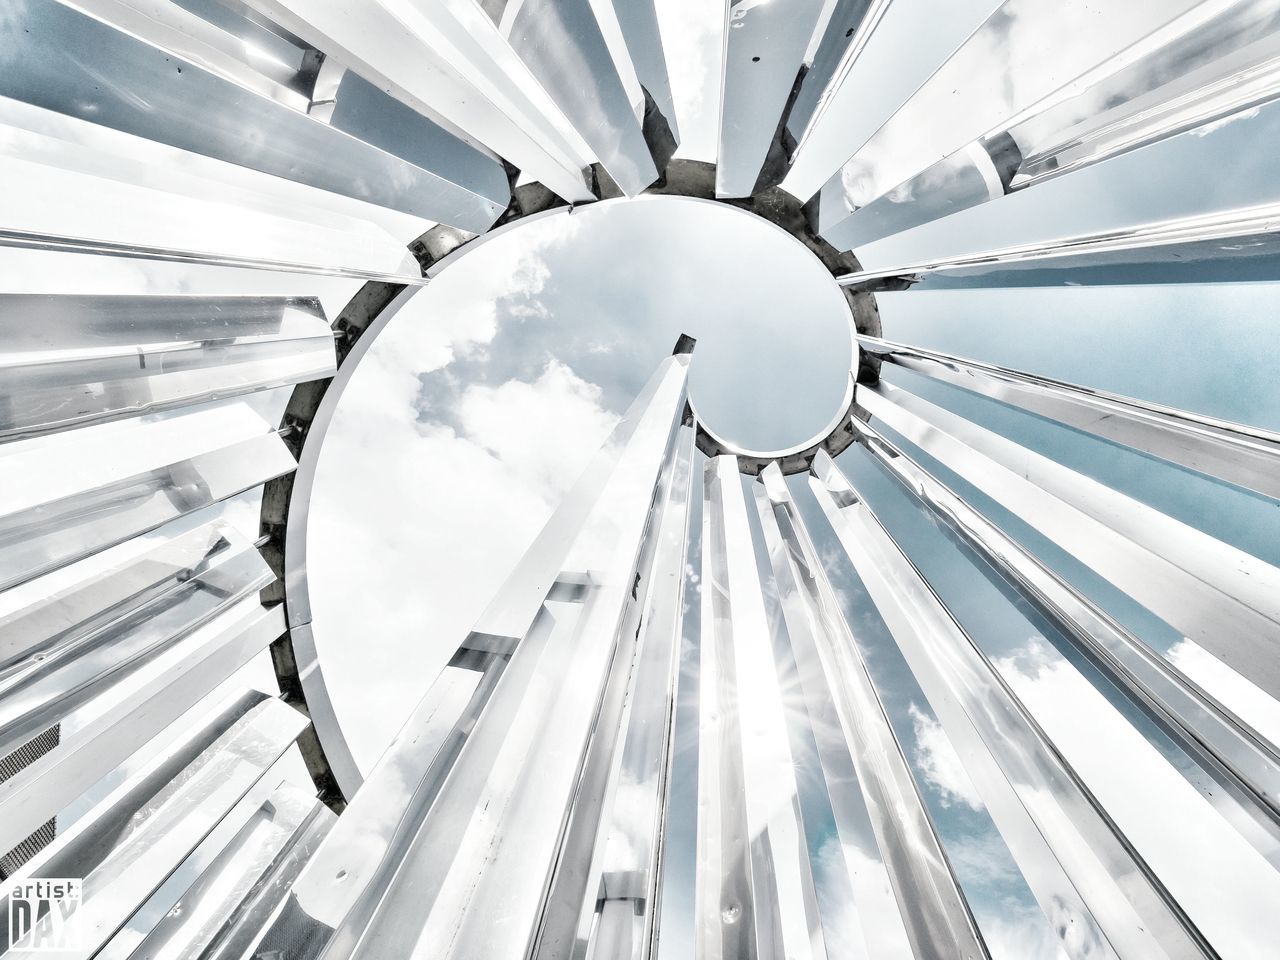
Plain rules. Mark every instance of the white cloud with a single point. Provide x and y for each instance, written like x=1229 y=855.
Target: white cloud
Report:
x=536 y=428
x=940 y=763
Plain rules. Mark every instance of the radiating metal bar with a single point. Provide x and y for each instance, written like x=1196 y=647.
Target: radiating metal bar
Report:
x=1229 y=236
x=60 y=54
x=1218 y=596
x=565 y=48
x=171 y=823
x=1219 y=740
x=765 y=44
x=72 y=360
x=199 y=42
x=617 y=907
x=878 y=811
x=999 y=72
x=638 y=20
x=1085 y=875
x=874 y=79
x=447 y=61
x=1248 y=457
x=495 y=751
x=246 y=878
x=70 y=668
x=1224 y=65
x=178 y=678
x=54 y=243
x=77 y=493
x=838 y=33
x=755 y=890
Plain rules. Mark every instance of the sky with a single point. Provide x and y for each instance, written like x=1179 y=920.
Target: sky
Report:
x=488 y=392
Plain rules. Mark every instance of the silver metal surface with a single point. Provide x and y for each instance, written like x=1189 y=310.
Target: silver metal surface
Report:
x=1084 y=874
x=1245 y=768
x=1245 y=456
x=755 y=888
x=1215 y=594
x=73 y=360
x=121 y=867
x=880 y=818
x=155 y=94
x=80 y=492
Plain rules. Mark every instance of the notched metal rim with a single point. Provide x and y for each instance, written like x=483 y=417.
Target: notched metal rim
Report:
x=286 y=501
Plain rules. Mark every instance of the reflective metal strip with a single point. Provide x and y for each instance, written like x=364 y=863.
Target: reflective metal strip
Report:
x=176 y=679
x=619 y=864
x=847 y=18
x=1242 y=761
x=68 y=854
x=511 y=741
x=562 y=43
x=242 y=872
x=751 y=839
x=1216 y=595
x=170 y=824
x=73 y=360
x=54 y=243
x=877 y=808
x=156 y=95
x=1248 y=457
x=445 y=61
x=874 y=79
x=1085 y=876
x=765 y=45
x=1150 y=242
x=639 y=22
x=84 y=491
x=199 y=42
x=999 y=72
x=1227 y=64
x=61 y=676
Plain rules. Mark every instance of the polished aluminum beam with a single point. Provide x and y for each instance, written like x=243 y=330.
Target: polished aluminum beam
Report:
x=606 y=903
x=1215 y=594
x=245 y=868
x=177 y=679
x=1232 y=237
x=72 y=360
x=121 y=868
x=83 y=491
x=755 y=888
x=846 y=19
x=1086 y=876
x=565 y=47
x=61 y=243
x=447 y=61
x=1010 y=64
x=504 y=740
x=765 y=45
x=1224 y=63
x=874 y=80
x=64 y=671
x=1237 y=758
x=638 y=21
x=60 y=53
x=1248 y=457
x=880 y=817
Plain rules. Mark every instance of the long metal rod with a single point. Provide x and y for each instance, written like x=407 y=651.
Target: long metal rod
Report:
x=55 y=243
x=832 y=669
x=1199 y=724
x=1231 y=225
x=1218 y=596
x=745 y=729
x=1248 y=457
x=1082 y=870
